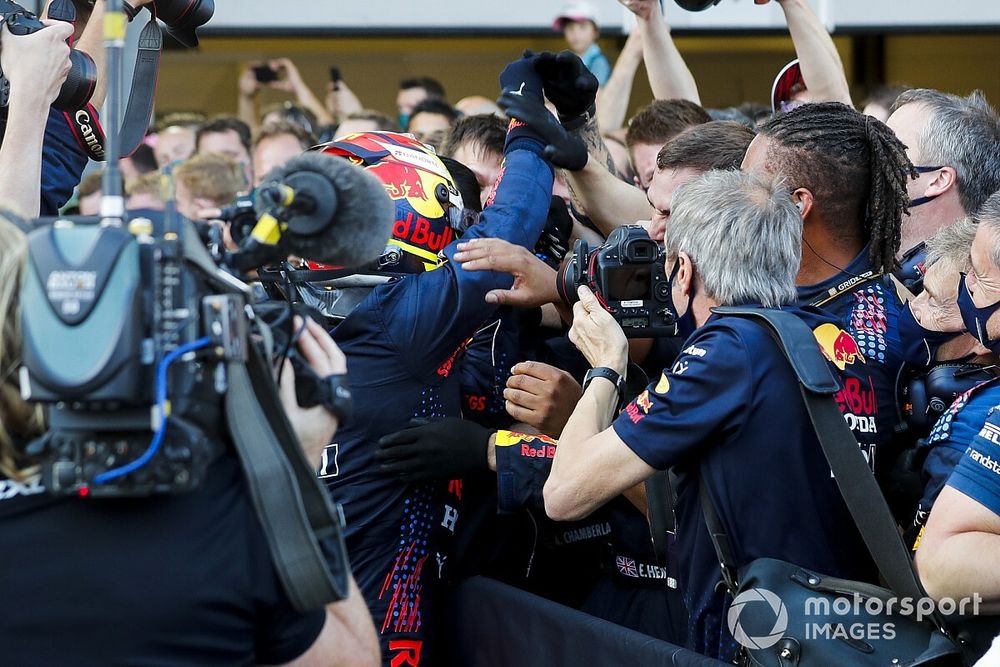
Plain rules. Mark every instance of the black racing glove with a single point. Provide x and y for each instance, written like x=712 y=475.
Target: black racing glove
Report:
x=569 y=85
x=561 y=148
x=519 y=78
x=553 y=244
x=446 y=449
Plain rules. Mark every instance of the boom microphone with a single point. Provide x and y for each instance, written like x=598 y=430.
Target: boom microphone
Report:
x=333 y=212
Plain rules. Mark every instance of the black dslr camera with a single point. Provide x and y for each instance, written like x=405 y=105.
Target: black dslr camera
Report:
x=82 y=79
x=241 y=216
x=627 y=276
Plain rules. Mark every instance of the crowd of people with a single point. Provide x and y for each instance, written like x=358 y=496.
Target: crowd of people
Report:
x=504 y=424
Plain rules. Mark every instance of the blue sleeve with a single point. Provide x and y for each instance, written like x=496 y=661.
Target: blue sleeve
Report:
x=523 y=464
x=434 y=314
x=63 y=162
x=951 y=436
x=601 y=69
x=977 y=474
x=699 y=400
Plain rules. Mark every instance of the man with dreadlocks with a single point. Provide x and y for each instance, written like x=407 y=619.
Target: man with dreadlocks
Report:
x=847 y=173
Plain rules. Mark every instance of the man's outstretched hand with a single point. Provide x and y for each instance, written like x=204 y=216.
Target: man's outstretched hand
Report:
x=534 y=280
x=561 y=148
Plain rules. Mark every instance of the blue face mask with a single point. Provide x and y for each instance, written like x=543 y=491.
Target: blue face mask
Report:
x=920 y=345
x=404 y=120
x=920 y=201
x=975 y=318
x=685 y=323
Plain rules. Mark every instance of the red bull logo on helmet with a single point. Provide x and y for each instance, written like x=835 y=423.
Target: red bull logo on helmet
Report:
x=400 y=181
x=838 y=346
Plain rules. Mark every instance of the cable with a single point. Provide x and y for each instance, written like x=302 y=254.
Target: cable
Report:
x=826 y=261
x=161 y=402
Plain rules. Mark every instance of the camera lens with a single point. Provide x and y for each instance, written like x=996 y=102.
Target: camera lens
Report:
x=79 y=86
x=573 y=273
x=184 y=17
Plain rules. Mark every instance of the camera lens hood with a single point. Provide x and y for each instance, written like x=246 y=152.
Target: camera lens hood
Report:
x=696 y=5
x=184 y=17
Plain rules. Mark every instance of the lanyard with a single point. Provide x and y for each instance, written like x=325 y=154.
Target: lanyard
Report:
x=845 y=286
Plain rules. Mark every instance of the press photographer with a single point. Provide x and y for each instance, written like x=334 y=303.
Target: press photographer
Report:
x=35 y=65
x=711 y=416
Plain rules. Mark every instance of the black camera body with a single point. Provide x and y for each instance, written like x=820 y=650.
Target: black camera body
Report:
x=241 y=216
x=79 y=86
x=628 y=276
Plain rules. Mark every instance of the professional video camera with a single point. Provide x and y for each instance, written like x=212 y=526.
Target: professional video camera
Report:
x=627 y=276
x=149 y=356
x=82 y=79
x=114 y=317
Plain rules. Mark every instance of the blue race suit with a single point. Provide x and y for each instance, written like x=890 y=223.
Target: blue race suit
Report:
x=404 y=345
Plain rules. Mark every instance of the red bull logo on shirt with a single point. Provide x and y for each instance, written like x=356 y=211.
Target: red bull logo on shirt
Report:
x=642 y=400
x=838 y=346
x=532 y=445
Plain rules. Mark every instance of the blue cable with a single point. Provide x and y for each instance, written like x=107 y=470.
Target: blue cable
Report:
x=161 y=401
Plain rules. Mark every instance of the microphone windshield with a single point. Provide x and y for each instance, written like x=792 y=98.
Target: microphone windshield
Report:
x=356 y=214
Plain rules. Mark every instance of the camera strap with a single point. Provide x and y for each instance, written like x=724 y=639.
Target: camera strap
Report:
x=139 y=111
x=302 y=526
x=85 y=123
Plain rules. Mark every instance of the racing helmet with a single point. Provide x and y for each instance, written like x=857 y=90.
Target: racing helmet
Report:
x=429 y=208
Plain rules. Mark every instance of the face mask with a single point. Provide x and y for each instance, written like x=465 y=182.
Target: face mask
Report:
x=404 y=120
x=920 y=345
x=975 y=318
x=920 y=201
x=685 y=323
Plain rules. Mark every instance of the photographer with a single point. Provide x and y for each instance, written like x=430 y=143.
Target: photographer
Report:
x=712 y=415
x=36 y=66
x=206 y=183
x=172 y=579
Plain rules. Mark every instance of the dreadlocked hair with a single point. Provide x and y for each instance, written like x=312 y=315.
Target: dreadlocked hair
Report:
x=855 y=168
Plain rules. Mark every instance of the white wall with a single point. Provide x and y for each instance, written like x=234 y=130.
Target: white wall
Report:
x=263 y=15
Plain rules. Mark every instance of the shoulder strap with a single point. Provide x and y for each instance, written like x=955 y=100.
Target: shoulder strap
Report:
x=139 y=111
x=300 y=522
x=850 y=470
x=660 y=502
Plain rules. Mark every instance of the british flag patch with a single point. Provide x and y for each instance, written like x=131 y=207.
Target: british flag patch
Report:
x=627 y=566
